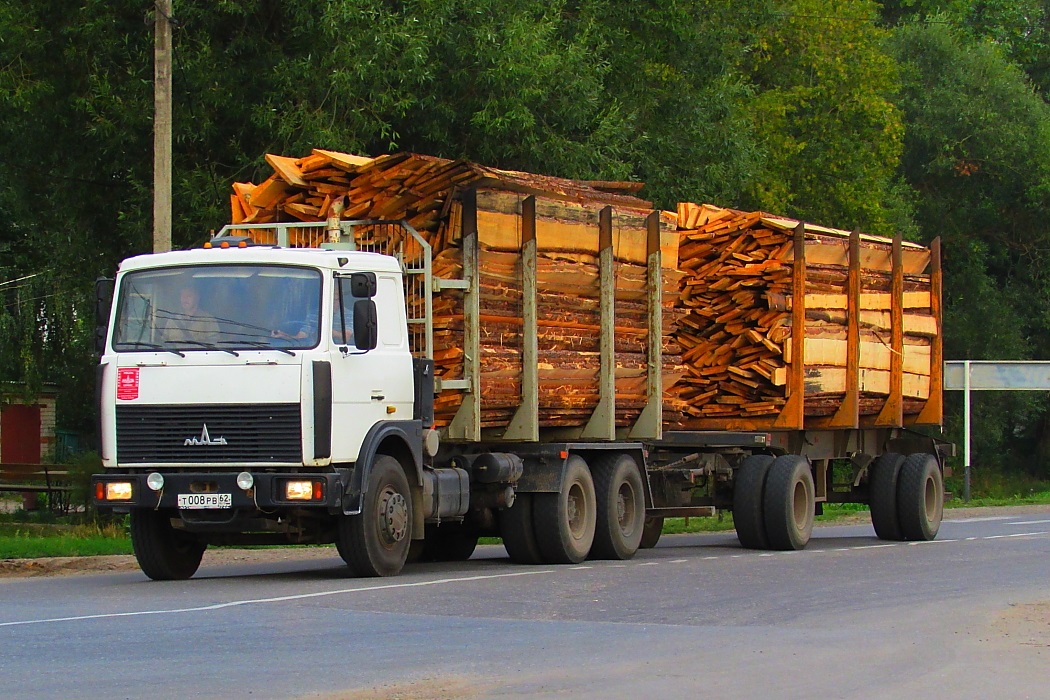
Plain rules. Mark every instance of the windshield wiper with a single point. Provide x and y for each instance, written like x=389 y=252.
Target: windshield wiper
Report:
x=256 y=344
x=151 y=346
x=209 y=346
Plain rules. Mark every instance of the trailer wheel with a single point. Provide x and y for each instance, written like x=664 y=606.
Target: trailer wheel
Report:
x=375 y=542
x=920 y=497
x=515 y=527
x=882 y=495
x=449 y=541
x=789 y=502
x=565 y=521
x=651 y=531
x=163 y=553
x=748 y=489
x=621 y=507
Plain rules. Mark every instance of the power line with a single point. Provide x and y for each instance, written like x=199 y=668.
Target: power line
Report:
x=21 y=279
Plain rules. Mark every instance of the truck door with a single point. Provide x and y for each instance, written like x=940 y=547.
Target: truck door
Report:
x=368 y=386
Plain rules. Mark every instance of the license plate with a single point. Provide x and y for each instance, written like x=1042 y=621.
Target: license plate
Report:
x=196 y=501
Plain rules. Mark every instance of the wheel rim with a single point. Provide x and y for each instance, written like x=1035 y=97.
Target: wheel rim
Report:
x=576 y=511
x=626 y=516
x=930 y=497
x=393 y=516
x=800 y=505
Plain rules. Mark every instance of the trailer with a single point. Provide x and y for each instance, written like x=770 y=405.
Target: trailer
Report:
x=295 y=383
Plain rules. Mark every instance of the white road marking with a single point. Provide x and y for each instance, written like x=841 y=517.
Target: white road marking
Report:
x=1016 y=534
x=277 y=599
x=1031 y=522
x=980 y=520
x=467 y=579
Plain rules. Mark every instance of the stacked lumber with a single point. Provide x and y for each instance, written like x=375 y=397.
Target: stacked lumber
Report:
x=737 y=333
x=728 y=292
x=568 y=309
x=568 y=337
x=426 y=192
x=732 y=338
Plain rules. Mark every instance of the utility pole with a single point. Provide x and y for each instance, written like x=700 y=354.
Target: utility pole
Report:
x=162 y=62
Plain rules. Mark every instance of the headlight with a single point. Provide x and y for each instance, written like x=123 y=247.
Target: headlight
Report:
x=115 y=491
x=304 y=490
x=155 y=481
x=245 y=481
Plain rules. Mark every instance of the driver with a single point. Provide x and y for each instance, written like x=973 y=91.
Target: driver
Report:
x=189 y=322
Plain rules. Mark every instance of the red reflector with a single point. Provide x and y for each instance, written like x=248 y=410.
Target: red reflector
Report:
x=100 y=491
x=564 y=454
x=318 y=490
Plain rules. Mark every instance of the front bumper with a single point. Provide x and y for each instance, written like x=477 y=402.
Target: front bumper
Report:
x=266 y=493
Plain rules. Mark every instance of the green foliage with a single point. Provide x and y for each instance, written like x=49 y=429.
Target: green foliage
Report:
x=824 y=111
x=926 y=117
x=977 y=151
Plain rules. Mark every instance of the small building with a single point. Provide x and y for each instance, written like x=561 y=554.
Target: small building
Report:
x=27 y=430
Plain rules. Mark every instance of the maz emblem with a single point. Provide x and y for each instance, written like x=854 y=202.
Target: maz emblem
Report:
x=205 y=439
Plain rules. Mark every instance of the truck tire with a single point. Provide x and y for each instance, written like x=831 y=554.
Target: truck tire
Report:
x=748 y=489
x=882 y=495
x=163 y=553
x=920 y=497
x=565 y=521
x=375 y=542
x=651 y=531
x=620 y=517
x=515 y=527
x=449 y=541
x=788 y=503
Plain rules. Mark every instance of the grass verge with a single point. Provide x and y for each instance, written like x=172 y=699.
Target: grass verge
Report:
x=33 y=540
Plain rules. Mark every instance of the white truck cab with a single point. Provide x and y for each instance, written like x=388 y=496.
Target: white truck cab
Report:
x=258 y=393
x=228 y=340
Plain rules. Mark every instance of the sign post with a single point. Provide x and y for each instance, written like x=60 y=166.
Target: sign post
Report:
x=991 y=375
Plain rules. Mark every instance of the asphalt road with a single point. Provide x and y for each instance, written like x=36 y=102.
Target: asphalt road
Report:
x=966 y=616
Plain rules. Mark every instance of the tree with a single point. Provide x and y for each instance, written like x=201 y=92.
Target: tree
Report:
x=977 y=152
x=825 y=114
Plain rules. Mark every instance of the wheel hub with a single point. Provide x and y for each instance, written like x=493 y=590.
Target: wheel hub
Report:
x=393 y=517
x=575 y=510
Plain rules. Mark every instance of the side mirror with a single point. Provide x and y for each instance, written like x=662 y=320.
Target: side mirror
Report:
x=366 y=324
x=363 y=285
x=103 y=304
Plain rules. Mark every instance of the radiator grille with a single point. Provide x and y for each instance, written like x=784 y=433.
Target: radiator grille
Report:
x=209 y=434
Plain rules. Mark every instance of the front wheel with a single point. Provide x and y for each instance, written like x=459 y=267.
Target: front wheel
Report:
x=163 y=553
x=375 y=542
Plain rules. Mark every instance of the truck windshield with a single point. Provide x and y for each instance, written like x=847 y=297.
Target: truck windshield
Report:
x=218 y=307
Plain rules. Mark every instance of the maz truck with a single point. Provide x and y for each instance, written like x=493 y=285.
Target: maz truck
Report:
x=265 y=394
